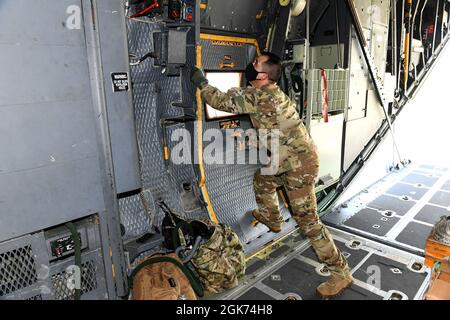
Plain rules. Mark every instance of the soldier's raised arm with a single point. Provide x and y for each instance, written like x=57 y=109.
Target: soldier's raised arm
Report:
x=235 y=100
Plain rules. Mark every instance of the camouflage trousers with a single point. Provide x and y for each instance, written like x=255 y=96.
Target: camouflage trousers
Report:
x=299 y=184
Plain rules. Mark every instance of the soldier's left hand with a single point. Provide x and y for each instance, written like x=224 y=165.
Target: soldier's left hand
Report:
x=198 y=78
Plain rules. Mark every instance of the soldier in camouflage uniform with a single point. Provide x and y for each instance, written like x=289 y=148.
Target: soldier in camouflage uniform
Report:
x=269 y=108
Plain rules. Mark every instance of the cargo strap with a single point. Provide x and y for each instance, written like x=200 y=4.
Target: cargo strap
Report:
x=324 y=96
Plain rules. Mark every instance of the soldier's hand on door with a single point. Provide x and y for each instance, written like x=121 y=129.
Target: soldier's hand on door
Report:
x=198 y=77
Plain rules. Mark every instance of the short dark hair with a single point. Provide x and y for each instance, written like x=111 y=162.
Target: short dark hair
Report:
x=273 y=66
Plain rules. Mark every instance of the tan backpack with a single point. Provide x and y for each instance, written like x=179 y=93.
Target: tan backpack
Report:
x=164 y=277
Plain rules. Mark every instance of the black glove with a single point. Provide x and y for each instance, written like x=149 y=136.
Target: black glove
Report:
x=198 y=78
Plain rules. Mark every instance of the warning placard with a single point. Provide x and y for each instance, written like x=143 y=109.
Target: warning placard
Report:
x=120 y=81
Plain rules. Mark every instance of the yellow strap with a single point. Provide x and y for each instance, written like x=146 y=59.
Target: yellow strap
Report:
x=202 y=183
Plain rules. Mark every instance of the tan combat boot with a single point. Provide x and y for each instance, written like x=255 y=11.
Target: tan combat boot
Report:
x=274 y=226
x=335 y=285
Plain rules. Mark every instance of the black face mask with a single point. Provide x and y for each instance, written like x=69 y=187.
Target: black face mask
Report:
x=250 y=73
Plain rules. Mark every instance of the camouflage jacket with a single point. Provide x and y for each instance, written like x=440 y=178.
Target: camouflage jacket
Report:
x=269 y=108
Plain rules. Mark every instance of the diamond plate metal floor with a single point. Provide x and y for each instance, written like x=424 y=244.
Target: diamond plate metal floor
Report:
x=289 y=270
x=399 y=210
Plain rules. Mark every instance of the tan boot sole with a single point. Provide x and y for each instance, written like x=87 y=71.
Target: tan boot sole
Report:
x=335 y=295
x=271 y=229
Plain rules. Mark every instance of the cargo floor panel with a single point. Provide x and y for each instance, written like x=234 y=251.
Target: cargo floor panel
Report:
x=431 y=214
x=295 y=277
x=391 y=209
x=391 y=203
x=418 y=178
x=302 y=279
x=255 y=266
x=446 y=186
x=388 y=275
x=414 y=234
x=403 y=189
x=441 y=198
x=297 y=273
x=372 y=221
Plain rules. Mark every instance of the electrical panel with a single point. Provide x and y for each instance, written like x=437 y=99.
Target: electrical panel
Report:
x=170 y=50
x=60 y=242
x=177 y=10
x=181 y=10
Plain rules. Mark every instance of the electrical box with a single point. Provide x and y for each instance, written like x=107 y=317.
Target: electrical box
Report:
x=299 y=53
x=60 y=243
x=170 y=49
x=327 y=56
